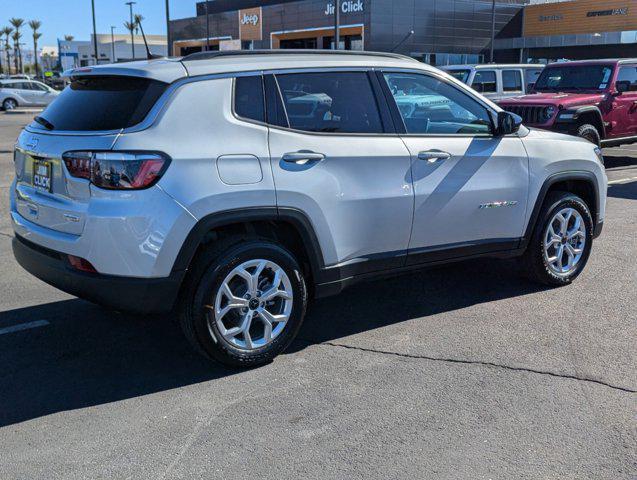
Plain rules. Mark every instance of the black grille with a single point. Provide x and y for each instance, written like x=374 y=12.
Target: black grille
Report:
x=530 y=114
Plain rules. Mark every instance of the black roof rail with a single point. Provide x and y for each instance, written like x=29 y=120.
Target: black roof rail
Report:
x=236 y=53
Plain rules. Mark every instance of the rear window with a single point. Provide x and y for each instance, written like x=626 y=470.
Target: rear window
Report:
x=103 y=103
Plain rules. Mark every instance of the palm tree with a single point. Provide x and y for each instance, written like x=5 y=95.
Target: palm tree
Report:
x=138 y=21
x=131 y=28
x=68 y=38
x=17 y=24
x=6 y=31
x=35 y=25
x=17 y=56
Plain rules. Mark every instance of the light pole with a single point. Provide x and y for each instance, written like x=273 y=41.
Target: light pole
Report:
x=94 y=32
x=492 y=29
x=132 y=38
x=112 y=44
x=168 y=28
x=207 y=28
x=337 y=24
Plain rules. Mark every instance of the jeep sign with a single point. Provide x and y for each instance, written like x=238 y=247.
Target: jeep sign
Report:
x=250 y=19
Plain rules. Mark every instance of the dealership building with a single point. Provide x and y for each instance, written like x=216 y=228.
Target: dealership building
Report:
x=439 y=32
x=444 y=31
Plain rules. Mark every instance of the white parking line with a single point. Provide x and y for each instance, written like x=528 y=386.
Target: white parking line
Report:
x=622 y=180
x=23 y=326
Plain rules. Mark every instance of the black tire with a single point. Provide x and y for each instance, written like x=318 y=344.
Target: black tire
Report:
x=9 y=104
x=590 y=133
x=536 y=266
x=211 y=268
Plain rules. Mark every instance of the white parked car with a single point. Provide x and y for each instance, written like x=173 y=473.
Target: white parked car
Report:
x=497 y=81
x=230 y=188
x=25 y=93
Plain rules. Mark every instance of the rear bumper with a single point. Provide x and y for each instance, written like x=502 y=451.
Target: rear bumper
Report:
x=135 y=295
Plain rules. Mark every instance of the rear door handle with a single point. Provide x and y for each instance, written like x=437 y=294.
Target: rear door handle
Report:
x=433 y=156
x=302 y=157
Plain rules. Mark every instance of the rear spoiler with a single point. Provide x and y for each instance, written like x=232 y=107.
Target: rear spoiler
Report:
x=163 y=70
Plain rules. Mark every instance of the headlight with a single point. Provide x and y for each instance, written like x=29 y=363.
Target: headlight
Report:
x=598 y=152
x=549 y=112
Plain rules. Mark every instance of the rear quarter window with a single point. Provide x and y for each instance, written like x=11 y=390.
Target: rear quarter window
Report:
x=103 y=103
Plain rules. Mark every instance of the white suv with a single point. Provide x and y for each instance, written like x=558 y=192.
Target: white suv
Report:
x=230 y=188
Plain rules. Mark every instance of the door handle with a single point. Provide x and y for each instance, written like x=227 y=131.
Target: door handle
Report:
x=302 y=157
x=433 y=156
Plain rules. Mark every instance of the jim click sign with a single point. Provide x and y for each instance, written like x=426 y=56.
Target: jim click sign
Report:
x=348 y=6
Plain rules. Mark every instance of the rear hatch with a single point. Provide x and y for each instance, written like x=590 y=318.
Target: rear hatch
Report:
x=88 y=116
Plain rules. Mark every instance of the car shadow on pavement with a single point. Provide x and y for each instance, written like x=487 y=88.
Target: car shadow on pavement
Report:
x=623 y=190
x=89 y=356
x=371 y=305
x=616 y=161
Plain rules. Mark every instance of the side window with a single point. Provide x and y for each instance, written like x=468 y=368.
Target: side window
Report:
x=531 y=77
x=249 y=101
x=628 y=74
x=340 y=102
x=431 y=106
x=484 y=81
x=38 y=87
x=511 y=81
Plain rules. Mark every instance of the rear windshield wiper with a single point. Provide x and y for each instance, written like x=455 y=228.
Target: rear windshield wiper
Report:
x=44 y=122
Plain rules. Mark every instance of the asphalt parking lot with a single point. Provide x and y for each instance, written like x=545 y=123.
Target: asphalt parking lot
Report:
x=463 y=371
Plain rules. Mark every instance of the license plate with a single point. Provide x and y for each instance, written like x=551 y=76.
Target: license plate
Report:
x=42 y=175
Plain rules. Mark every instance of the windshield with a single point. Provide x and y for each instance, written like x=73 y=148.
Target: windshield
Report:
x=102 y=103
x=462 y=75
x=563 y=78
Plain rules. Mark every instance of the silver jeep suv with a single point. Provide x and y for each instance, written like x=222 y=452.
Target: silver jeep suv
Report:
x=230 y=188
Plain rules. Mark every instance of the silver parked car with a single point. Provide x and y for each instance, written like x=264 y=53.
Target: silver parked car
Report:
x=230 y=188
x=25 y=93
x=497 y=81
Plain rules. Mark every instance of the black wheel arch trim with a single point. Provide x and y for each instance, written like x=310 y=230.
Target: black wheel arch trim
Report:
x=548 y=183
x=578 y=112
x=292 y=216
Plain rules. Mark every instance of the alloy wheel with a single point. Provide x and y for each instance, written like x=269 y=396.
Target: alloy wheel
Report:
x=253 y=304
x=564 y=241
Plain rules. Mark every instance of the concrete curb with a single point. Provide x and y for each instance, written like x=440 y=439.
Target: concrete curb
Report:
x=23 y=111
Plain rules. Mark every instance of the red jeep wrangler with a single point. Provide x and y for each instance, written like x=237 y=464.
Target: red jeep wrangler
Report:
x=594 y=99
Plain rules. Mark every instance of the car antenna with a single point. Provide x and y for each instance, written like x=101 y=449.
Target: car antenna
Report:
x=149 y=56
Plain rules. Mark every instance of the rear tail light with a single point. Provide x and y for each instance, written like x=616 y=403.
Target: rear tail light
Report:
x=117 y=170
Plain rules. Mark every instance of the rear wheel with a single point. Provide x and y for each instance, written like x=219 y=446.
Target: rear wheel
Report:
x=9 y=104
x=590 y=133
x=245 y=304
x=561 y=241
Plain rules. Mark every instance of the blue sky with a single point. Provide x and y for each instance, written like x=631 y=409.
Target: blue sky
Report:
x=73 y=17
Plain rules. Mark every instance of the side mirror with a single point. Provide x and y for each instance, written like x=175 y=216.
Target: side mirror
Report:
x=507 y=123
x=622 y=86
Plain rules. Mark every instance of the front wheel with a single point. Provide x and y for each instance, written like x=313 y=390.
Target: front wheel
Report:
x=562 y=240
x=9 y=104
x=590 y=133
x=247 y=303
